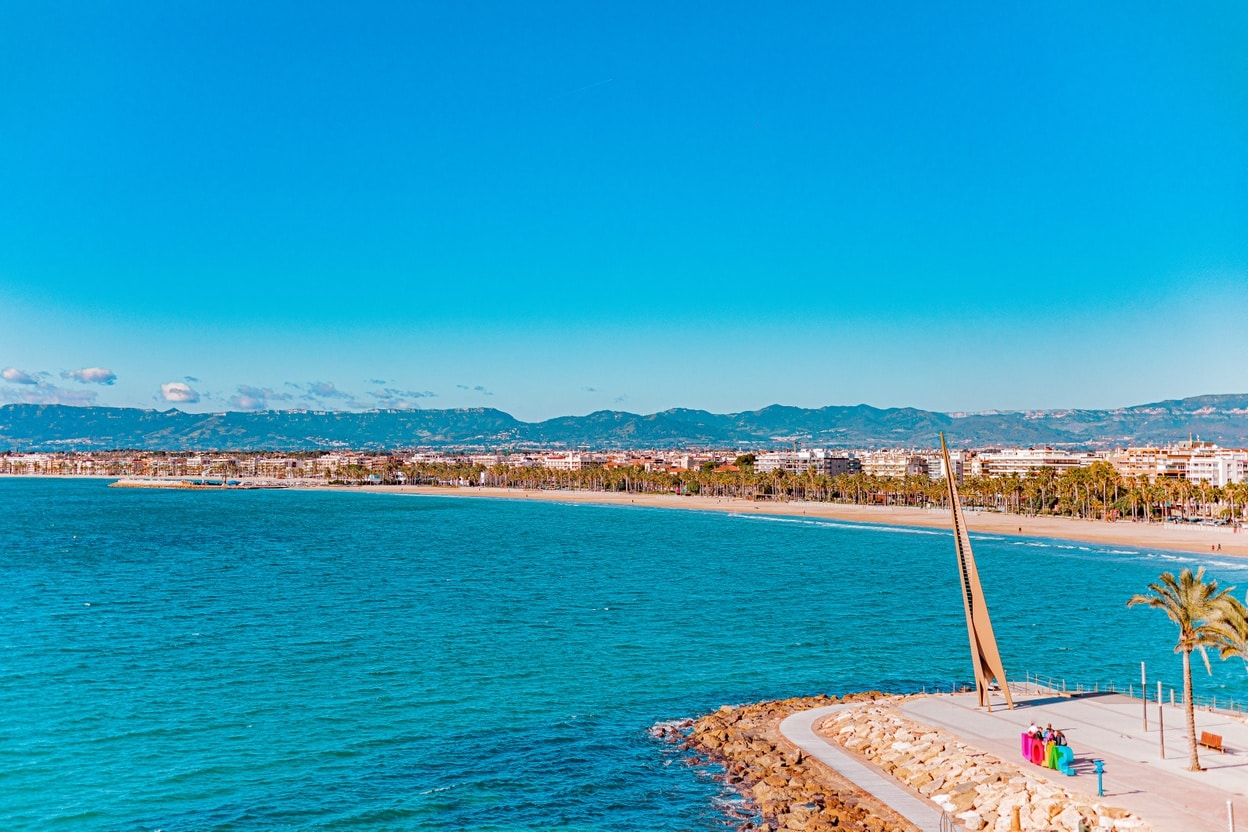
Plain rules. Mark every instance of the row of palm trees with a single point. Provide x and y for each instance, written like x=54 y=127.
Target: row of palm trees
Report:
x=1098 y=491
x=1209 y=619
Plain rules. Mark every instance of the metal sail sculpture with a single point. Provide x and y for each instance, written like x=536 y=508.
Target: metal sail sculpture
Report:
x=984 y=654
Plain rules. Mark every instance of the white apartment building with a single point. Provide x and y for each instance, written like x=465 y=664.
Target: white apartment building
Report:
x=958 y=460
x=564 y=462
x=1218 y=469
x=1023 y=461
x=28 y=464
x=800 y=462
x=328 y=463
x=894 y=463
x=1193 y=460
x=1143 y=462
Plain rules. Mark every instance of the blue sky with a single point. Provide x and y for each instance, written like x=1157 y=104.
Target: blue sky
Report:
x=559 y=208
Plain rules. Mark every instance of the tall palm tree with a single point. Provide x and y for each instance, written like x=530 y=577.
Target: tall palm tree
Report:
x=1204 y=615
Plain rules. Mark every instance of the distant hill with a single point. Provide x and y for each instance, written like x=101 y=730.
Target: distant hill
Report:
x=1222 y=419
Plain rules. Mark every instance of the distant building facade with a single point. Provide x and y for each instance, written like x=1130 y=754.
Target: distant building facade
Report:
x=1024 y=461
x=812 y=459
x=936 y=464
x=1192 y=460
x=895 y=463
x=564 y=462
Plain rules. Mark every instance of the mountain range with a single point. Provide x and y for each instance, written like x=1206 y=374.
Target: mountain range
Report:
x=27 y=427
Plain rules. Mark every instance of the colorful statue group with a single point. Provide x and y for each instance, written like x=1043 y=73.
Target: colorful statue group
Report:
x=1048 y=748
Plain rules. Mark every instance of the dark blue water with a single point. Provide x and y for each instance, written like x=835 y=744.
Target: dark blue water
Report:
x=350 y=661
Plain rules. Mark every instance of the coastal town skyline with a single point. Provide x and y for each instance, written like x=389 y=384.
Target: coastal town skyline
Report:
x=554 y=211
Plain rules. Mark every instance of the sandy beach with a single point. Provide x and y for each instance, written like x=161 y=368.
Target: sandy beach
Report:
x=1127 y=534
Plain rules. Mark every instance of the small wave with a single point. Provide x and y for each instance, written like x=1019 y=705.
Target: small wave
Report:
x=671 y=730
x=771 y=518
x=878 y=528
x=438 y=789
x=1234 y=566
x=1175 y=558
x=842 y=524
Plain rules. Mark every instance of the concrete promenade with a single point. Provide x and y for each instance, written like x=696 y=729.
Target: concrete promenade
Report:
x=1110 y=727
x=799 y=730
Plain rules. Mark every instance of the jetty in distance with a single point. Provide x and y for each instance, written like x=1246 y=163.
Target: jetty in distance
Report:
x=204 y=483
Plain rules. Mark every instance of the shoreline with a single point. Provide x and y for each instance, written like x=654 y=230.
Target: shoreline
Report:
x=1162 y=536
x=1167 y=537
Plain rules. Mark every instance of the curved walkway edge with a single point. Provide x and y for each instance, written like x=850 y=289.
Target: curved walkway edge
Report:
x=799 y=729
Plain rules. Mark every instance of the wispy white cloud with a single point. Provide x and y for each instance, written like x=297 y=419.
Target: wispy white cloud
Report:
x=91 y=375
x=476 y=389
x=178 y=392
x=396 y=399
x=255 y=398
x=190 y=379
x=32 y=388
x=326 y=393
x=16 y=376
x=325 y=390
x=42 y=392
x=321 y=393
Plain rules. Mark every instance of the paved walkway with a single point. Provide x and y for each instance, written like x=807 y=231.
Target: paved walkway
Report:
x=799 y=730
x=1110 y=727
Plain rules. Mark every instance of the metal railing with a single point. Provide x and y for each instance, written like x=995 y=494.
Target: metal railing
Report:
x=1037 y=684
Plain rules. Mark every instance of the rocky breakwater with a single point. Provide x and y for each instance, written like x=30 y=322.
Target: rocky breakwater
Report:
x=979 y=790
x=783 y=789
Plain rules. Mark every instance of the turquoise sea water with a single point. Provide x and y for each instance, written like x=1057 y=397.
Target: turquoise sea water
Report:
x=243 y=660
